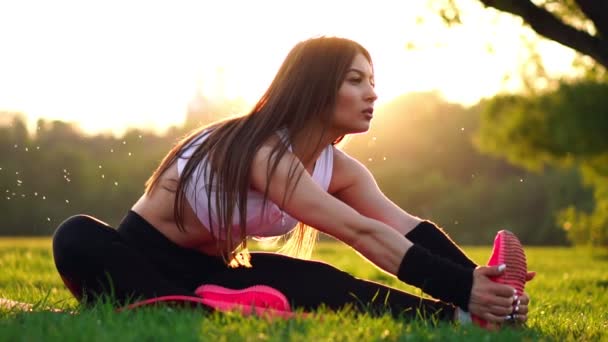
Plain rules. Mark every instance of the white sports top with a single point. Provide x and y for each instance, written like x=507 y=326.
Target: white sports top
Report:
x=275 y=222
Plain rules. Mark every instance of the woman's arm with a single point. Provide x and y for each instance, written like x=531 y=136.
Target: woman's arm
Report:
x=353 y=184
x=377 y=241
x=357 y=188
x=383 y=245
x=309 y=203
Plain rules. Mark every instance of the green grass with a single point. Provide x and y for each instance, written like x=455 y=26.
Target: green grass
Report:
x=569 y=301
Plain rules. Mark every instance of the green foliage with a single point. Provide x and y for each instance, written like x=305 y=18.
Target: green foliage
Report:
x=570 y=121
x=589 y=227
x=568 y=304
x=564 y=127
x=58 y=172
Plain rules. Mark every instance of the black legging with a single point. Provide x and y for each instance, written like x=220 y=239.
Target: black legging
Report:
x=136 y=261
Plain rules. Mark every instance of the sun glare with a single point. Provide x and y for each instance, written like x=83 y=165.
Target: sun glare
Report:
x=108 y=65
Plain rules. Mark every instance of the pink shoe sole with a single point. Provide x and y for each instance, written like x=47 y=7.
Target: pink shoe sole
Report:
x=261 y=296
x=259 y=299
x=509 y=251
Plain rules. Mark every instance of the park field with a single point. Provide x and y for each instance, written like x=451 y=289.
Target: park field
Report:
x=569 y=303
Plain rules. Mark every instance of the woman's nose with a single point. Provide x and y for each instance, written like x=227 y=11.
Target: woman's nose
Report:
x=371 y=96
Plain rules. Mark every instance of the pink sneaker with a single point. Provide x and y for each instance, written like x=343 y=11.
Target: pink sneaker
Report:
x=509 y=251
x=261 y=300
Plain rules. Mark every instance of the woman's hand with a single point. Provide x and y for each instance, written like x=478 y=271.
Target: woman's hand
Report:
x=491 y=301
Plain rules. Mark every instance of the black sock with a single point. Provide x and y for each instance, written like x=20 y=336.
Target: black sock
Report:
x=433 y=238
x=437 y=276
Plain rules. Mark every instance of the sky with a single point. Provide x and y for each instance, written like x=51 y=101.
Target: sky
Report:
x=109 y=65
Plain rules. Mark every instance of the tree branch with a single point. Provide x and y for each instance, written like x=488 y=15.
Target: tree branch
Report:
x=597 y=11
x=549 y=26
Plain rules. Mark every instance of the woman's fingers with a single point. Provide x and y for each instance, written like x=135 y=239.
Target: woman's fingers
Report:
x=492 y=318
x=503 y=295
x=494 y=295
x=521 y=310
x=505 y=302
x=496 y=306
x=501 y=290
x=524 y=299
x=501 y=311
x=504 y=310
x=488 y=300
x=497 y=302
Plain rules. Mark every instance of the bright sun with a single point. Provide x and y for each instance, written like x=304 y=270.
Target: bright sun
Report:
x=112 y=64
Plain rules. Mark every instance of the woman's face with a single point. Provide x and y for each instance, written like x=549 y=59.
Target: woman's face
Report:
x=355 y=101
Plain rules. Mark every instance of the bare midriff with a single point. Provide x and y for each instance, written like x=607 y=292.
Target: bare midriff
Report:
x=156 y=207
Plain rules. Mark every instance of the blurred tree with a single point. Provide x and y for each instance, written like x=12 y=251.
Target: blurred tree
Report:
x=564 y=124
x=564 y=127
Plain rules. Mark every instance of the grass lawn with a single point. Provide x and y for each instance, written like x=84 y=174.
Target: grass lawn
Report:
x=569 y=302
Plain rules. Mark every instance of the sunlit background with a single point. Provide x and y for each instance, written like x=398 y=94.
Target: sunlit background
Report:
x=110 y=65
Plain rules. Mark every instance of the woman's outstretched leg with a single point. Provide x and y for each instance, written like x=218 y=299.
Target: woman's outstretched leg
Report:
x=93 y=260
x=309 y=285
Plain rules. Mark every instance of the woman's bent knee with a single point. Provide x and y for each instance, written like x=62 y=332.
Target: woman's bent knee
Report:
x=70 y=231
x=78 y=228
x=74 y=237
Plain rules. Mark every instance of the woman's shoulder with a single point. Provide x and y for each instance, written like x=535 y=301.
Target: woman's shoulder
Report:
x=343 y=161
x=266 y=149
x=346 y=169
x=268 y=145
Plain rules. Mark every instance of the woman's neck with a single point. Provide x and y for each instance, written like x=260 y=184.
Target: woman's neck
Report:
x=308 y=144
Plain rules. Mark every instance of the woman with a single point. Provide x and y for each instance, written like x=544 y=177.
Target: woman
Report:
x=260 y=174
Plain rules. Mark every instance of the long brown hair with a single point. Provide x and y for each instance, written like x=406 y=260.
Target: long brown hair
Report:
x=304 y=89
